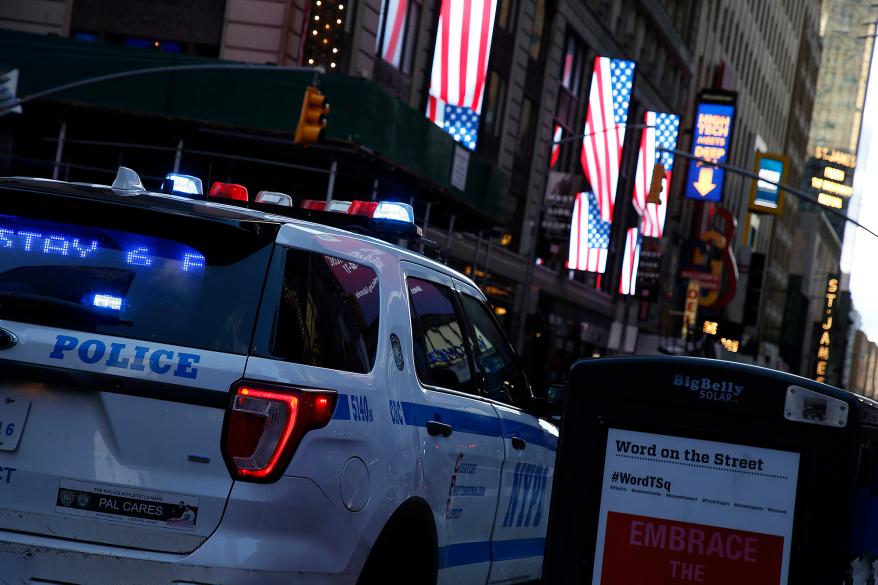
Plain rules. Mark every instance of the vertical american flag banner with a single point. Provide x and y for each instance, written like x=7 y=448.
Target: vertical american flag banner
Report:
x=556 y=147
x=589 y=235
x=630 y=261
x=392 y=20
x=460 y=64
x=604 y=132
x=661 y=132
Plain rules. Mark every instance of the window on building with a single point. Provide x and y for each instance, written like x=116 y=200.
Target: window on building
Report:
x=526 y=126
x=505 y=19
x=537 y=33
x=571 y=67
x=397 y=32
x=440 y=349
x=495 y=100
x=328 y=313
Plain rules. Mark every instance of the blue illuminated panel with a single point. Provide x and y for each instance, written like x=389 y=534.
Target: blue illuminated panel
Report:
x=711 y=140
x=44 y=241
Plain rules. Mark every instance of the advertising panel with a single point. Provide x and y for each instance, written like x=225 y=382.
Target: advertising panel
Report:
x=765 y=195
x=711 y=140
x=682 y=510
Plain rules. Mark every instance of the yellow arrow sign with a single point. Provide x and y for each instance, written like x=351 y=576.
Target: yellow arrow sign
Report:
x=704 y=184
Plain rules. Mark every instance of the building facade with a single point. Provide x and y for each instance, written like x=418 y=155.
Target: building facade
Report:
x=495 y=209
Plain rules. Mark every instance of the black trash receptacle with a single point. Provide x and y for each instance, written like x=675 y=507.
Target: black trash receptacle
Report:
x=686 y=470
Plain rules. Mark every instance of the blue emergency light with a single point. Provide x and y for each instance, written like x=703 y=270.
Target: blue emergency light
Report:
x=177 y=184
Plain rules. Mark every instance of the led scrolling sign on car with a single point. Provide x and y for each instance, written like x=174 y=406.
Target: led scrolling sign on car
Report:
x=45 y=239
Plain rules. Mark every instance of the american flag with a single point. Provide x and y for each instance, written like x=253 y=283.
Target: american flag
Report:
x=661 y=132
x=460 y=63
x=604 y=132
x=589 y=235
x=556 y=148
x=393 y=19
x=630 y=261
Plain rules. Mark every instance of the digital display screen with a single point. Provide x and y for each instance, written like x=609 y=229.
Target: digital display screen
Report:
x=710 y=140
x=42 y=241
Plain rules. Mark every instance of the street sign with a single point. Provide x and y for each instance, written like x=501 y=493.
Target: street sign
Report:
x=711 y=140
x=674 y=470
x=765 y=195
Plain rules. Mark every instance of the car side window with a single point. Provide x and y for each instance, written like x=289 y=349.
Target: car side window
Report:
x=437 y=337
x=328 y=314
x=503 y=378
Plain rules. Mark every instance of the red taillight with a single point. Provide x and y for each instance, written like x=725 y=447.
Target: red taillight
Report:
x=264 y=425
x=229 y=191
x=313 y=205
x=366 y=208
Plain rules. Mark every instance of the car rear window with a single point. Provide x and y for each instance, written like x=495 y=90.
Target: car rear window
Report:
x=150 y=276
x=328 y=313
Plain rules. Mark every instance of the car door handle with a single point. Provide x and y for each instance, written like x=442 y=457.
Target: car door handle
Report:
x=518 y=443
x=435 y=428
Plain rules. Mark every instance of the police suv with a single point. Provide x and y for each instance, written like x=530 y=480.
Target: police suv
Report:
x=204 y=389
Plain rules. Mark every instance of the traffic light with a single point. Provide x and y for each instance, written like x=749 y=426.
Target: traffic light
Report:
x=312 y=120
x=655 y=187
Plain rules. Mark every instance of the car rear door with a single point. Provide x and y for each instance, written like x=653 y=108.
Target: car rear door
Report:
x=459 y=430
x=519 y=534
x=124 y=329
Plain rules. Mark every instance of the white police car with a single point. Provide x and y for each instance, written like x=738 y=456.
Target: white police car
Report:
x=201 y=392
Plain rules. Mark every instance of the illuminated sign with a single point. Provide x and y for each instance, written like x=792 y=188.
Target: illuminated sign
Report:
x=711 y=140
x=830 y=200
x=45 y=241
x=825 y=341
x=833 y=174
x=832 y=155
x=765 y=195
x=831 y=186
x=710 y=327
x=690 y=311
x=460 y=65
x=730 y=345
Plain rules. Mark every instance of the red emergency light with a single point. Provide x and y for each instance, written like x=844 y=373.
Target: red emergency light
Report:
x=229 y=191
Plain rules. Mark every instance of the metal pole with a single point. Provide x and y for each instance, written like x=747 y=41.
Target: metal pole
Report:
x=475 y=262
x=426 y=221
x=488 y=257
x=449 y=234
x=792 y=190
x=178 y=155
x=330 y=188
x=59 y=150
x=375 y=191
x=525 y=295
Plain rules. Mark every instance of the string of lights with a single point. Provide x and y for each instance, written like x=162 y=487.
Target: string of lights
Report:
x=325 y=27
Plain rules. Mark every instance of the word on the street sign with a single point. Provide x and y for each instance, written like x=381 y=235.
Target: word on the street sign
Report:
x=711 y=141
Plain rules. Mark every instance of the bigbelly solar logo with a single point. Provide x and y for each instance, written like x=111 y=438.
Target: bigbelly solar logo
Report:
x=707 y=389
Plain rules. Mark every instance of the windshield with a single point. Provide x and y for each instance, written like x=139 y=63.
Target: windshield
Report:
x=126 y=283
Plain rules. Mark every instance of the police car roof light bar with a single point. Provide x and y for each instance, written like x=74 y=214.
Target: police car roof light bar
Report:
x=229 y=191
